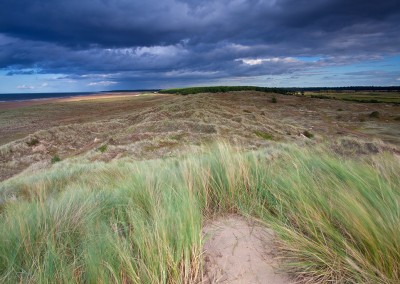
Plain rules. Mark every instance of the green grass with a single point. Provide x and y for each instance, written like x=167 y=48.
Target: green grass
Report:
x=102 y=148
x=222 y=89
x=360 y=96
x=140 y=222
x=55 y=159
x=264 y=135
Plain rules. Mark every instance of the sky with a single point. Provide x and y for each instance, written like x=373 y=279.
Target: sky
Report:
x=94 y=45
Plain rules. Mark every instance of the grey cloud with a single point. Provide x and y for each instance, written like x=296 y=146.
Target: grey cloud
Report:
x=192 y=40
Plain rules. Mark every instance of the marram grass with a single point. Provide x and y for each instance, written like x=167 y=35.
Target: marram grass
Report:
x=140 y=222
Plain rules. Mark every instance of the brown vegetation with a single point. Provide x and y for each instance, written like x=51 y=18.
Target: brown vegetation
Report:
x=157 y=125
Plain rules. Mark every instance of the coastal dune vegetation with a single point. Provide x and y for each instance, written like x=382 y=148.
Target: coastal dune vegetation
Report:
x=336 y=218
x=223 y=89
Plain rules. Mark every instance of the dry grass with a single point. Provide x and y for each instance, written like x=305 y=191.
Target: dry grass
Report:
x=335 y=207
x=148 y=126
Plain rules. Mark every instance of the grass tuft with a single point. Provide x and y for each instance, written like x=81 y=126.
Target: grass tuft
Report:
x=264 y=135
x=102 y=148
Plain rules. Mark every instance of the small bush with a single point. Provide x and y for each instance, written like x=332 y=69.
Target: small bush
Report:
x=274 y=100
x=397 y=118
x=102 y=148
x=33 y=142
x=374 y=114
x=55 y=159
x=264 y=135
x=308 y=134
x=339 y=109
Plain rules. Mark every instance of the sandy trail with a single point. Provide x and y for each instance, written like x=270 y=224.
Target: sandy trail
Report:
x=237 y=251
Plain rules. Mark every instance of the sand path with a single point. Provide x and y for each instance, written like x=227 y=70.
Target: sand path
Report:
x=237 y=251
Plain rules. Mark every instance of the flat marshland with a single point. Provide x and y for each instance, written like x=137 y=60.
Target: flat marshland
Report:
x=131 y=191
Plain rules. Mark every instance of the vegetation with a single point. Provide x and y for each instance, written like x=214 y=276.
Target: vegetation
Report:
x=223 y=89
x=374 y=114
x=357 y=96
x=33 y=142
x=140 y=222
x=274 y=100
x=55 y=159
x=102 y=148
x=264 y=135
x=308 y=134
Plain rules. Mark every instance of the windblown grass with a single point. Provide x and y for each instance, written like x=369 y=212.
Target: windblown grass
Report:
x=337 y=220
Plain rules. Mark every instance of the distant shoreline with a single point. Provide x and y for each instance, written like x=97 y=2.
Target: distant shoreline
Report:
x=11 y=104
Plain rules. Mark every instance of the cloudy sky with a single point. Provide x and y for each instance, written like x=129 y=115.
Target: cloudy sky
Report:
x=89 y=45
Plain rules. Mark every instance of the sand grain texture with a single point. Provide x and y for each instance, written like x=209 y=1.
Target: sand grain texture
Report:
x=238 y=251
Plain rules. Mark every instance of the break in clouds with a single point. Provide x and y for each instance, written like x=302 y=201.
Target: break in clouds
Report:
x=134 y=44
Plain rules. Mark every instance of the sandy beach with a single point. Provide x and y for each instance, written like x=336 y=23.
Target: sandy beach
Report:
x=18 y=104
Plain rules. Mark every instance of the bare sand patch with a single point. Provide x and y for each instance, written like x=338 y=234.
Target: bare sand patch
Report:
x=237 y=250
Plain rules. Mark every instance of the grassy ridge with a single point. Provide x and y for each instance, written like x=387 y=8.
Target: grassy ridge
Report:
x=141 y=222
x=362 y=97
x=222 y=89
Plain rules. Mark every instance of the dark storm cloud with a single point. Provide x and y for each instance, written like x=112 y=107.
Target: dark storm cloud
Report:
x=192 y=39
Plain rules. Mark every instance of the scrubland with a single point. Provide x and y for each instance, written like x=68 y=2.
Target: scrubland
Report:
x=130 y=194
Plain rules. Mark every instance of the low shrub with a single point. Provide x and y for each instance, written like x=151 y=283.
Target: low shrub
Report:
x=374 y=114
x=55 y=159
x=33 y=142
x=308 y=134
x=102 y=148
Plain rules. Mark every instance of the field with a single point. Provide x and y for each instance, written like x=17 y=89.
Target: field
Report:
x=125 y=189
x=358 y=96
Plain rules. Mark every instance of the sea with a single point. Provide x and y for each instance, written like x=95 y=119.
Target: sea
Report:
x=40 y=96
